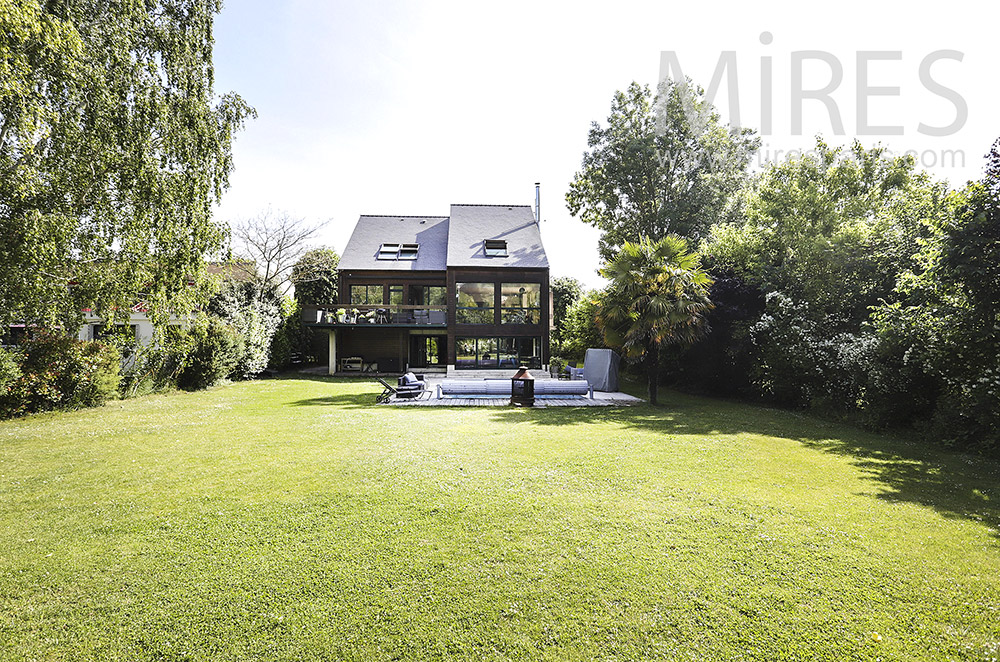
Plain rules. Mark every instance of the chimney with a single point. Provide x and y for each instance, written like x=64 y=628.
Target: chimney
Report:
x=538 y=203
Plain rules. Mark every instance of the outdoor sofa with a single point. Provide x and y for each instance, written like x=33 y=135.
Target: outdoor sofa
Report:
x=495 y=388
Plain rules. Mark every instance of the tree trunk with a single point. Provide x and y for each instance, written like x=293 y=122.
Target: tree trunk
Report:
x=653 y=371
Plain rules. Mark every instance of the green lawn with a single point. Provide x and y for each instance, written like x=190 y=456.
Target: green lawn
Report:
x=292 y=519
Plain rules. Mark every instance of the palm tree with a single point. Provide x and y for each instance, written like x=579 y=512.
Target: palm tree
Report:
x=658 y=296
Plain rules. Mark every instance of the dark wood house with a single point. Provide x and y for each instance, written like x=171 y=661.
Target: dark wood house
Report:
x=460 y=292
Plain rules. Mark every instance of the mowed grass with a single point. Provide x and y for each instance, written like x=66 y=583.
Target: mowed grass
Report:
x=294 y=520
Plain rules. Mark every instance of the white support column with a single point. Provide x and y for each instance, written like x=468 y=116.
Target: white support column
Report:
x=333 y=351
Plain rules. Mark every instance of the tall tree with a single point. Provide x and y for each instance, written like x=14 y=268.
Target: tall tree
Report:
x=113 y=149
x=658 y=296
x=661 y=165
x=580 y=330
x=832 y=228
x=971 y=250
x=315 y=277
x=940 y=341
x=822 y=238
x=565 y=292
x=275 y=242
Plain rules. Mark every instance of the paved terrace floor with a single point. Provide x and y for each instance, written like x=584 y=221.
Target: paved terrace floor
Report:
x=430 y=399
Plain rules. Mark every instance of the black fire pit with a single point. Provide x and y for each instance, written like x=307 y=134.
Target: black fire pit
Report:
x=522 y=388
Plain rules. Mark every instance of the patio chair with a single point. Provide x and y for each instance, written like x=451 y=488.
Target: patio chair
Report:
x=405 y=389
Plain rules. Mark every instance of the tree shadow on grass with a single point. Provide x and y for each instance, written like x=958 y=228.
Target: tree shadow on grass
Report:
x=901 y=469
x=957 y=485
x=349 y=400
x=363 y=400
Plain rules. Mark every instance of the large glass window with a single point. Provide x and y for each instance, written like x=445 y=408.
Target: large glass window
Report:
x=520 y=303
x=486 y=349
x=395 y=295
x=507 y=352
x=427 y=295
x=498 y=352
x=474 y=304
x=529 y=351
x=465 y=352
x=366 y=295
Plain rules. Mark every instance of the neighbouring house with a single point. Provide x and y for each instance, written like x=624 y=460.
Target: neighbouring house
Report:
x=142 y=327
x=460 y=292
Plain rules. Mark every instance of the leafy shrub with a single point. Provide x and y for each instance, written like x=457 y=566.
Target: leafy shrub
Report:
x=58 y=372
x=722 y=363
x=315 y=277
x=215 y=352
x=938 y=370
x=789 y=352
x=291 y=338
x=254 y=311
x=802 y=362
x=156 y=366
x=10 y=368
x=580 y=331
x=565 y=291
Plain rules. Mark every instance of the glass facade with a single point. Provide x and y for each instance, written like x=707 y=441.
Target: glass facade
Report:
x=490 y=352
x=428 y=295
x=474 y=303
x=520 y=303
x=366 y=294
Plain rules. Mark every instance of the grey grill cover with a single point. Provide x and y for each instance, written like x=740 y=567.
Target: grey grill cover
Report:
x=600 y=368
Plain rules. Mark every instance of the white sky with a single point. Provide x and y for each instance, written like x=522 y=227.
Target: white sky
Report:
x=406 y=107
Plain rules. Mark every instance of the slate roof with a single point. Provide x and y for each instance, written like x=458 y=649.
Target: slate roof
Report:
x=471 y=224
x=431 y=232
x=449 y=241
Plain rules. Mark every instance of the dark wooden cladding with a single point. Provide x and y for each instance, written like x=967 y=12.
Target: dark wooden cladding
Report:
x=370 y=342
x=374 y=343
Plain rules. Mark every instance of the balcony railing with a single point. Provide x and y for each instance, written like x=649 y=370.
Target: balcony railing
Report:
x=375 y=314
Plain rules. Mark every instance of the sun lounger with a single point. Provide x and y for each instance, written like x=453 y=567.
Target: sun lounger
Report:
x=409 y=386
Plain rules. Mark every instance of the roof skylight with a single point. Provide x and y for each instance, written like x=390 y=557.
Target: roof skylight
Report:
x=408 y=251
x=495 y=247
x=398 y=251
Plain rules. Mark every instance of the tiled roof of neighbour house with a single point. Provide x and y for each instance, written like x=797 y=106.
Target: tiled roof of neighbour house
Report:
x=371 y=232
x=236 y=270
x=471 y=225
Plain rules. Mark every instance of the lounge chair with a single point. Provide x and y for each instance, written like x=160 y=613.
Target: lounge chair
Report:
x=409 y=386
